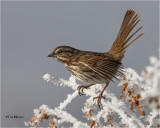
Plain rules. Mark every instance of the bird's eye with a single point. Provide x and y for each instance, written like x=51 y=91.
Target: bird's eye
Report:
x=60 y=52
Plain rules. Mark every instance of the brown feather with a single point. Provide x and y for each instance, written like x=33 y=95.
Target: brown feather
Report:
x=121 y=43
x=106 y=67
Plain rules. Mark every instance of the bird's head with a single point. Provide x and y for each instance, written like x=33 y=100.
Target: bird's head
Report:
x=63 y=53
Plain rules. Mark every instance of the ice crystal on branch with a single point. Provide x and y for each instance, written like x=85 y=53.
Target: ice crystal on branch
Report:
x=138 y=91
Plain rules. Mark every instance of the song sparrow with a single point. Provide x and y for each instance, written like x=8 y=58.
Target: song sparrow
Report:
x=97 y=68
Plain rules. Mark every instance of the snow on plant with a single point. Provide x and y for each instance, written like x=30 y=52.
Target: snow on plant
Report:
x=140 y=91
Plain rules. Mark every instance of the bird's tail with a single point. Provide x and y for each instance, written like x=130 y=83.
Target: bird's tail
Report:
x=122 y=41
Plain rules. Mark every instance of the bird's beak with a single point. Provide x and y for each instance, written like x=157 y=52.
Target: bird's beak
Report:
x=51 y=55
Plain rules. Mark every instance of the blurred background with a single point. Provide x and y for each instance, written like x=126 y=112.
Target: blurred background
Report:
x=31 y=30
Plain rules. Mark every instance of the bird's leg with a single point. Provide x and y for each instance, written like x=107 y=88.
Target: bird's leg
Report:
x=82 y=87
x=100 y=96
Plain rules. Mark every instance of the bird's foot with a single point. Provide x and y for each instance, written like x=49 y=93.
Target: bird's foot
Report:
x=99 y=99
x=80 y=89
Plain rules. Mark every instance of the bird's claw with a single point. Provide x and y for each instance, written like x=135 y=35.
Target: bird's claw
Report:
x=99 y=100
x=80 y=89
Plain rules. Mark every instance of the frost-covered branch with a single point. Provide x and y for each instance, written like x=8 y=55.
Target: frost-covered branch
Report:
x=139 y=91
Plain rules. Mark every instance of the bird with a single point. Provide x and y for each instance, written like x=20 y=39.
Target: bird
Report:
x=100 y=67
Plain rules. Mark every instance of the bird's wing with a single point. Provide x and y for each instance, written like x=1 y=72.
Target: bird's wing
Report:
x=106 y=67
